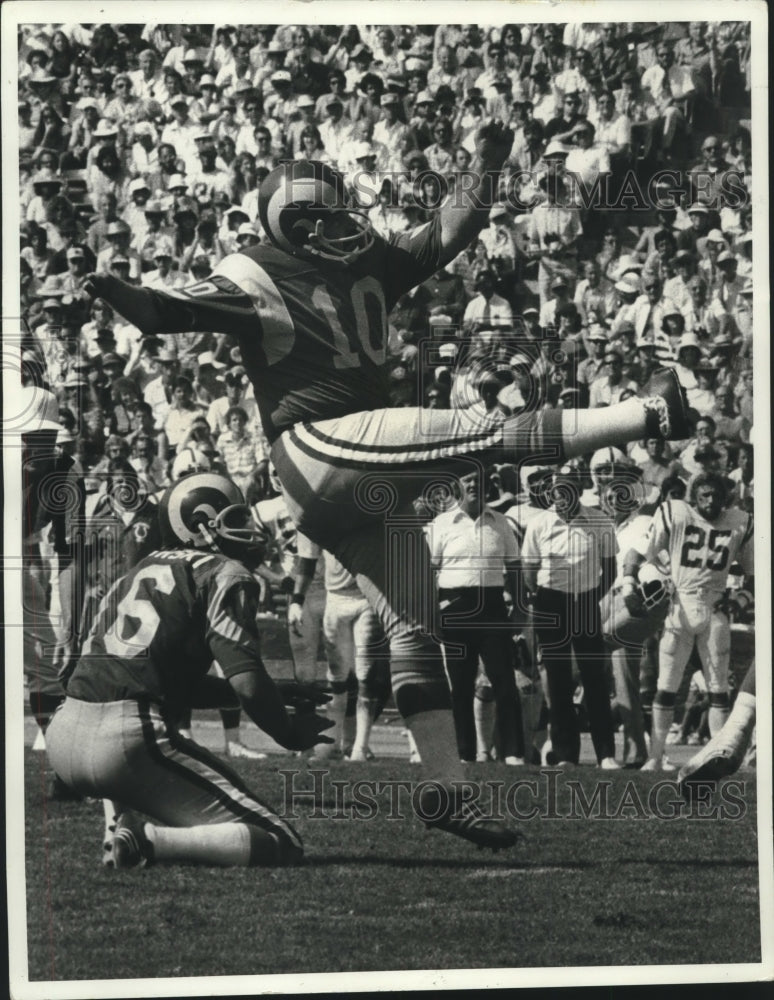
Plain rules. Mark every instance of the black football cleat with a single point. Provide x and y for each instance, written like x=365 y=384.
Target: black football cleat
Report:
x=131 y=847
x=446 y=809
x=667 y=406
x=718 y=759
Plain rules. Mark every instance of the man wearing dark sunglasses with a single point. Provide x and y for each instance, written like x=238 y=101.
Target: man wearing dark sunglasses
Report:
x=713 y=177
x=612 y=384
x=561 y=127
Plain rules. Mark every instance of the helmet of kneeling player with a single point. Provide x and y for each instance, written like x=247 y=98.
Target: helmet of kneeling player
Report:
x=304 y=209
x=708 y=493
x=207 y=511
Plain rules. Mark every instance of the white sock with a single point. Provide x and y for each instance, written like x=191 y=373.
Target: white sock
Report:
x=717 y=718
x=662 y=720
x=437 y=743
x=348 y=729
x=220 y=844
x=232 y=735
x=336 y=709
x=742 y=717
x=364 y=715
x=111 y=810
x=484 y=715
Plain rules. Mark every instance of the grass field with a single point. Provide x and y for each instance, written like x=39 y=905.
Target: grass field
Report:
x=387 y=894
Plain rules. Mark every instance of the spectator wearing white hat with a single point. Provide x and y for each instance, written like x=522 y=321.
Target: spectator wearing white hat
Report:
x=72 y=281
x=85 y=118
x=689 y=356
x=181 y=132
x=743 y=248
x=205 y=106
x=234 y=383
x=155 y=227
x=134 y=213
x=730 y=284
x=522 y=393
x=118 y=235
x=676 y=288
x=363 y=179
x=336 y=131
x=593 y=367
x=158 y=392
x=390 y=131
x=273 y=59
x=247 y=236
x=498 y=238
x=208 y=179
x=163 y=277
x=306 y=106
x=552 y=222
x=699 y=225
x=280 y=104
x=709 y=249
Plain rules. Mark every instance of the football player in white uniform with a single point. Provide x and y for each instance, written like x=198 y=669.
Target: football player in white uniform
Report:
x=304 y=631
x=536 y=483
x=604 y=464
x=622 y=499
x=702 y=539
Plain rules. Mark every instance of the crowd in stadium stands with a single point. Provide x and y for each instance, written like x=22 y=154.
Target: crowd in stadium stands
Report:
x=621 y=239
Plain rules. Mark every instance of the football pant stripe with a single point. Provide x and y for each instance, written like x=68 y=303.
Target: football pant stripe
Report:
x=329 y=447
x=197 y=765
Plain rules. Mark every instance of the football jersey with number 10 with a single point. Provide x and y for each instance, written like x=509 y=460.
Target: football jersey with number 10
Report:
x=313 y=334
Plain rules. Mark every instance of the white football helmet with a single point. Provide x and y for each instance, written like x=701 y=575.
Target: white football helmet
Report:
x=621 y=628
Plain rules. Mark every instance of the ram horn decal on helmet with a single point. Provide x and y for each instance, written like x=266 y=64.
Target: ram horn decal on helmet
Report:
x=207 y=510
x=301 y=205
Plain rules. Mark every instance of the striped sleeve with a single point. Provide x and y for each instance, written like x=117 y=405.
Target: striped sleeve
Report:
x=217 y=305
x=232 y=634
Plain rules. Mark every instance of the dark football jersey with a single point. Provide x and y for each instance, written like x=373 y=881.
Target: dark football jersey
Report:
x=313 y=334
x=161 y=626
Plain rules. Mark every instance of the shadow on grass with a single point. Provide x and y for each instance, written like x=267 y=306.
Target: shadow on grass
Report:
x=691 y=862
x=328 y=860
